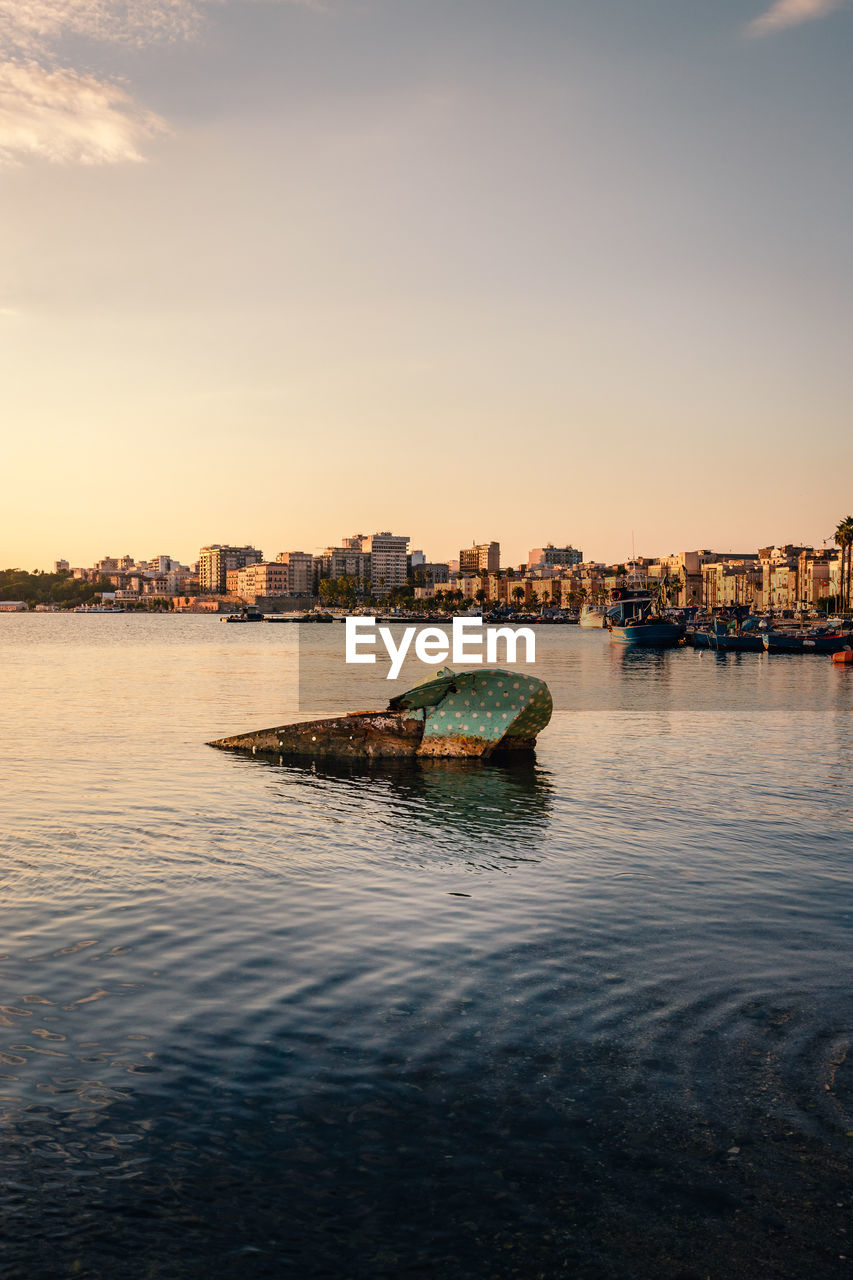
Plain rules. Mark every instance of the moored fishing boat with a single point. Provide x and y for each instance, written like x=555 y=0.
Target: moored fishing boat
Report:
x=593 y=615
x=632 y=620
x=649 y=632
x=806 y=642
x=469 y=713
x=250 y=614
x=719 y=638
x=734 y=642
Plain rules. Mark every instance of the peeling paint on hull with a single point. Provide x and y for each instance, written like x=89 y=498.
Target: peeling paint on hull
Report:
x=505 y=711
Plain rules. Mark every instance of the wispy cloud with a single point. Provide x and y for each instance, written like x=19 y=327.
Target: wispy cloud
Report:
x=30 y=27
x=790 y=13
x=65 y=116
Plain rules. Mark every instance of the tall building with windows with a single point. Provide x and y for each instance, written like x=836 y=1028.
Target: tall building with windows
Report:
x=262 y=579
x=346 y=561
x=484 y=557
x=431 y=572
x=166 y=564
x=551 y=557
x=388 y=560
x=300 y=572
x=378 y=561
x=215 y=561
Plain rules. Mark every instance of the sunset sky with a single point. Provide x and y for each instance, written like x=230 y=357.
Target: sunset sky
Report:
x=534 y=270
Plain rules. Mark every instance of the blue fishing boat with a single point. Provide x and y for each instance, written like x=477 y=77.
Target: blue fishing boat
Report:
x=720 y=639
x=632 y=619
x=805 y=642
x=737 y=642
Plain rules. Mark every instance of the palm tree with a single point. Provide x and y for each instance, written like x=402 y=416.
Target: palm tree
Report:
x=844 y=540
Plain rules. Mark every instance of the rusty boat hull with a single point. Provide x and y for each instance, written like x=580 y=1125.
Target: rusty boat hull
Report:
x=469 y=714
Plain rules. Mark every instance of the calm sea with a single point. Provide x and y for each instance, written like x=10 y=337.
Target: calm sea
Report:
x=589 y=1017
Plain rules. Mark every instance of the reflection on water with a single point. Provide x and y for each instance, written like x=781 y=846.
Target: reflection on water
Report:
x=498 y=807
x=588 y=1014
x=585 y=671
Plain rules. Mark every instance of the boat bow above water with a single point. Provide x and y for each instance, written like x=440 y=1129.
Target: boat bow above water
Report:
x=466 y=714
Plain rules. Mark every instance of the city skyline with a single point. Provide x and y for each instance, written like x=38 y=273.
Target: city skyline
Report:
x=489 y=558
x=532 y=272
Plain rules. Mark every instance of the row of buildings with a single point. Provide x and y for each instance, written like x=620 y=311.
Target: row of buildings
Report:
x=779 y=577
x=376 y=565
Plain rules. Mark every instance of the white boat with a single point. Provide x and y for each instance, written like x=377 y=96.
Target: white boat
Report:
x=593 y=615
x=96 y=608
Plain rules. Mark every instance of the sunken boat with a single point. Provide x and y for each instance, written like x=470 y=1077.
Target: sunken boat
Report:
x=476 y=713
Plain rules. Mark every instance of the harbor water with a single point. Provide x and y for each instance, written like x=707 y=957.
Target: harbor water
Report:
x=589 y=1015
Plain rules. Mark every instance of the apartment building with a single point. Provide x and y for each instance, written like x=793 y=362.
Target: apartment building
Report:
x=345 y=561
x=266 y=578
x=388 y=564
x=732 y=581
x=300 y=572
x=814 y=576
x=431 y=571
x=685 y=568
x=551 y=557
x=214 y=562
x=484 y=557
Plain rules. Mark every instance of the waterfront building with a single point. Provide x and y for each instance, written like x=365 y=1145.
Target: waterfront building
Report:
x=345 y=561
x=551 y=557
x=165 y=564
x=267 y=578
x=215 y=560
x=112 y=564
x=684 y=571
x=300 y=572
x=781 y=590
x=378 y=561
x=13 y=606
x=780 y=573
x=815 y=576
x=162 y=584
x=483 y=556
x=735 y=580
x=195 y=604
x=429 y=571
x=388 y=560
x=835 y=577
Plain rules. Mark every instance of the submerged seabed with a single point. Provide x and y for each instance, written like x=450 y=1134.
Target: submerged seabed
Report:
x=589 y=1016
